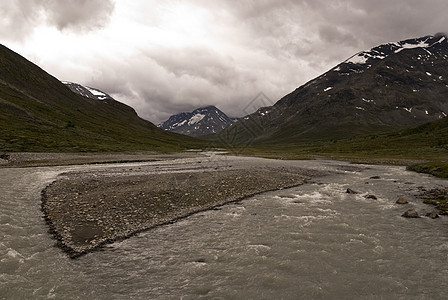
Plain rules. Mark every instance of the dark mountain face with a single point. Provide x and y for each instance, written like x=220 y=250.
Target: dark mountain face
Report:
x=39 y=113
x=392 y=86
x=202 y=121
x=86 y=91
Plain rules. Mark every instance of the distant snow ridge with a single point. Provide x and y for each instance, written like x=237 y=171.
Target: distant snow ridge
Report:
x=86 y=91
x=383 y=51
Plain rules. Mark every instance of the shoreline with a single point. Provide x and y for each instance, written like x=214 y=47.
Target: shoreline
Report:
x=34 y=159
x=86 y=210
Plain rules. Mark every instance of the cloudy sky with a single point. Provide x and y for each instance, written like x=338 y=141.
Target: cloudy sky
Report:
x=164 y=57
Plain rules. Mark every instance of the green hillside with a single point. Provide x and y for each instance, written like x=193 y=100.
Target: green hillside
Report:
x=426 y=144
x=40 y=114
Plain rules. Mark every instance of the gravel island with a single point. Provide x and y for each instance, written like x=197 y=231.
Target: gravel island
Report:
x=88 y=209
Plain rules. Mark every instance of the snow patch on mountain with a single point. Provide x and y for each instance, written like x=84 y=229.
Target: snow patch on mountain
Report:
x=196 y=118
x=95 y=91
x=412 y=46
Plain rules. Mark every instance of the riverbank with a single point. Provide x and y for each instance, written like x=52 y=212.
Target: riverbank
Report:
x=88 y=209
x=31 y=159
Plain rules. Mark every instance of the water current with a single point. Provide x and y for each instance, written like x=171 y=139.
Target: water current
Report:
x=314 y=241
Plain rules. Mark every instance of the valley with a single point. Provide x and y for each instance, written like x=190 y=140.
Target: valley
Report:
x=223 y=149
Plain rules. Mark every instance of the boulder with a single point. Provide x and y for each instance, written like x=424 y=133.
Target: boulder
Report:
x=432 y=215
x=410 y=213
x=350 y=191
x=401 y=201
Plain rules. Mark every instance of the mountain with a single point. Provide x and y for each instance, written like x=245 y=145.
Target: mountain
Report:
x=86 y=91
x=392 y=86
x=202 y=121
x=39 y=113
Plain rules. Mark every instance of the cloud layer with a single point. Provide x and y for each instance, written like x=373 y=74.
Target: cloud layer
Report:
x=164 y=57
x=19 y=17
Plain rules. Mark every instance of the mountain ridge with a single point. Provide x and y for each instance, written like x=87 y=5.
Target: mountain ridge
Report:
x=39 y=113
x=391 y=86
x=201 y=121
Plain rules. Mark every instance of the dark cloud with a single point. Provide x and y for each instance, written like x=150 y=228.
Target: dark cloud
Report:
x=20 y=17
x=83 y=15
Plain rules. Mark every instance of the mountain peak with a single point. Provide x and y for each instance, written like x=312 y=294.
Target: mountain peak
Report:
x=201 y=121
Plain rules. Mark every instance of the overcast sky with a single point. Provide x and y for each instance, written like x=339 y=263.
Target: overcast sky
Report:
x=165 y=57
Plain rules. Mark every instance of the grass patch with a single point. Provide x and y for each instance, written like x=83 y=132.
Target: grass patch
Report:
x=438 y=198
x=436 y=168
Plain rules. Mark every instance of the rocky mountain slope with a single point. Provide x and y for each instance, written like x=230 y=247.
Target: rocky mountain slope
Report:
x=202 y=121
x=392 y=86
x=86 y=91
x=39 y=113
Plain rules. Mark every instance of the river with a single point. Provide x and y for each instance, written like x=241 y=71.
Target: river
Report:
x=314 y=241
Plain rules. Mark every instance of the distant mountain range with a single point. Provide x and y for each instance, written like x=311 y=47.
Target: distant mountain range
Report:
x=38 y=113
x=391 y=86
x=201 y=121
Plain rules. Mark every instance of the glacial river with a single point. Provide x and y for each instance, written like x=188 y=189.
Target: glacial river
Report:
x=310 y=242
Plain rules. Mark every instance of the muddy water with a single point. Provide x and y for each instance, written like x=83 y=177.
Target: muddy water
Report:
x=313 y=241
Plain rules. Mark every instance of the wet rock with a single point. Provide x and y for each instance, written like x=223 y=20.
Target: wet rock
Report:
x=4 y=156
x=373 y=197
x=401 y=201
x=432 y=215
x=410 y=213
x=350 y=191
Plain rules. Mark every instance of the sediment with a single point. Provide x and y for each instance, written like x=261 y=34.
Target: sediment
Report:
x=86 y=210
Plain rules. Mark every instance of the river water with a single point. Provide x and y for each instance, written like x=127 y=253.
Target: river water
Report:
x=314 y=241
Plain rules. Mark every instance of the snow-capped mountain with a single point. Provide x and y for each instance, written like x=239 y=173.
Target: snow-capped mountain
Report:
x=391 y=86
x=86 y=91
x=202 y=121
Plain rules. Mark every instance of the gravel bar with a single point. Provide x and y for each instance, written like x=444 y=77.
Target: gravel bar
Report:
x=86 y=210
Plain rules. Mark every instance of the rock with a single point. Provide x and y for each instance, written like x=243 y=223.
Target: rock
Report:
x=350 y=191
x=373 y=197
x=410 y=213
x=432 y=215
x=375 y=177
x=401 y=201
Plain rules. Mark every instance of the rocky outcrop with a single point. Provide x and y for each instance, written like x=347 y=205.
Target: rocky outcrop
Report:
x=432 y=215
x=410 y=213
x=350 y=191
x=401 y=201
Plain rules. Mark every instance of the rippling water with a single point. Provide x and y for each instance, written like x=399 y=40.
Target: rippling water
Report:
x=313 y=241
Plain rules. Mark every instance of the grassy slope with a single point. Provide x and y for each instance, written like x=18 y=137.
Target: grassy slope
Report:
x=38 y=113
x=424 y=147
